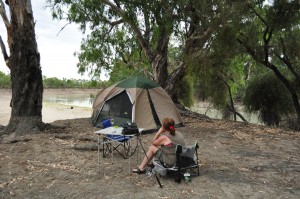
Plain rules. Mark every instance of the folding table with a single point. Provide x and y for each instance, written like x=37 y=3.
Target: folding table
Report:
x=113 y=131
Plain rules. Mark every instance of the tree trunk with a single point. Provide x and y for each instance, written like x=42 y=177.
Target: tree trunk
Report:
x=230 y=97
x=168 y=81
x=174 y=78
x=289 y=87
x=26 y=74
x=159 y=65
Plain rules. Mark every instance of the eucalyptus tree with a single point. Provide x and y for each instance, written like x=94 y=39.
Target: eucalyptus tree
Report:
x=117 y=29
x=272 y=39
x=215 y=61
x=24 y=64
x=266 y=33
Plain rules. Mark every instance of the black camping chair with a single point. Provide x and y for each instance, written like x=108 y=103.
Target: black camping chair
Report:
x=186 y=161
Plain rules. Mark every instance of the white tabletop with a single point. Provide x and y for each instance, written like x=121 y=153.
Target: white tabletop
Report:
x=114 y=131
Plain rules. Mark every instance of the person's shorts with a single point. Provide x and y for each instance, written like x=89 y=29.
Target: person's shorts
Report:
x=164 y=158
x=159 y=154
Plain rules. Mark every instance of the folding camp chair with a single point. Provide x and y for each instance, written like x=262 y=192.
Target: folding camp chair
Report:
x=119 y=143
x=186 y=161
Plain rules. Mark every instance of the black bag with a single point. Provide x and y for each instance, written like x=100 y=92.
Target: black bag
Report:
x=130 y=129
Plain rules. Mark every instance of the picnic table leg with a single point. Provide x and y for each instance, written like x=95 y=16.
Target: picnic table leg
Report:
x=98 y=153
x=138 y=153
x=129 y=156
x=112 y=151
x=139 y=157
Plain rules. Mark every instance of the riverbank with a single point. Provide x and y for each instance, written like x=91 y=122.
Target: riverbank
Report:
x=51 y=111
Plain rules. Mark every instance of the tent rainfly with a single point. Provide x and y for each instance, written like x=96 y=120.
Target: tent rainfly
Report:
x=136 y=100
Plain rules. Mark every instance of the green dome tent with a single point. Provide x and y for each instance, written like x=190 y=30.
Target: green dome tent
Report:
x=137 y=100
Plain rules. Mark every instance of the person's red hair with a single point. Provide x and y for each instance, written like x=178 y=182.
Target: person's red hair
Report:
x=169 y=125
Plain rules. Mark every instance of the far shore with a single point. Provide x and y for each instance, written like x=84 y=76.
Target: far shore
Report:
x=51 y=111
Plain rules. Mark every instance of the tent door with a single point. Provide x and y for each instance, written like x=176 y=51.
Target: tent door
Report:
x=118 y=107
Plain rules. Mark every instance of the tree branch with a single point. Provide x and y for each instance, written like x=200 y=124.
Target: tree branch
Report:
x=147 y=26
x=175 y=77
x=28 y=7
x=222 y=79
x=266 y=46
x=287 y=62
x=63 y=28
x=249 y=50
x=266 y=36
x=196 y=40
x=3 y=14
x=260 y=17
x=241 y=116
x=142 y=41
x=285 y=59
x=5 y=56
x=114 y=23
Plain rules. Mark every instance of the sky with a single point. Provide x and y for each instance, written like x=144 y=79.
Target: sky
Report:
x=56 y=48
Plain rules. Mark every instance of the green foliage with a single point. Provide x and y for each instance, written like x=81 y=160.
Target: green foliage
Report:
x=211 y=76
x=121 y=72
x=185 y=91
x=208 y=87
x=268 y=96
x=269 y=35
x=5 y=81
x=137 y=33
x=217 y=61
x=54 y=82
x=272 y=40
x=223 y=43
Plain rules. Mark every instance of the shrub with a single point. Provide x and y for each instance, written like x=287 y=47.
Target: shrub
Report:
x=5 y=81
x=269 y=97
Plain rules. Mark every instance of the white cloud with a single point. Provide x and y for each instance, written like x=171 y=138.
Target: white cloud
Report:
x=56 y=48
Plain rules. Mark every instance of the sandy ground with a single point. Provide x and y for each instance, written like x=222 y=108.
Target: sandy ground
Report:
x=50 y=111
x=237 y=160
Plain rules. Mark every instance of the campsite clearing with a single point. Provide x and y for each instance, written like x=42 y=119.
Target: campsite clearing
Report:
x=237 y=161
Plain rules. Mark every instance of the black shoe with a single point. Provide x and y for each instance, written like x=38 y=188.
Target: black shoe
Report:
x=138 y=171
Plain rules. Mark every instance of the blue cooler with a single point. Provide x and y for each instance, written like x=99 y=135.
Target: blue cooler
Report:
x=106 y=123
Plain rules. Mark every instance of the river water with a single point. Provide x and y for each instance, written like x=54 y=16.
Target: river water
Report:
x=71 y=100
x=206 y=109
x=82 y=100
x=58 y=104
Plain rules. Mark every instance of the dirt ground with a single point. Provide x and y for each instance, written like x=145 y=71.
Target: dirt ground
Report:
x=237 y=160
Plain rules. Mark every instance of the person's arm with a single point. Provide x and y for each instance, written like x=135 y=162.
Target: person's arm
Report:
x=160 y=141
x=157 y=140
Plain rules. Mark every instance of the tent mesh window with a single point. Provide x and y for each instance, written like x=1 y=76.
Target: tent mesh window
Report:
x=118 y=107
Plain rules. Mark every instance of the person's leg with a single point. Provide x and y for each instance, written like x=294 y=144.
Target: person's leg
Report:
x=149 y=155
